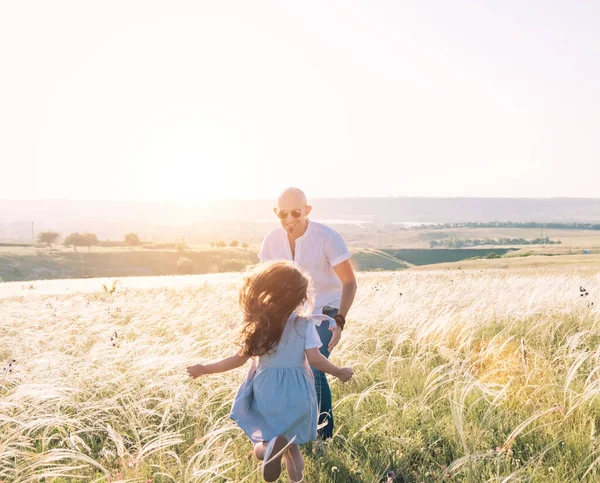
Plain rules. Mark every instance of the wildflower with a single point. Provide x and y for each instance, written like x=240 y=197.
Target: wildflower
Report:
x=334 y=469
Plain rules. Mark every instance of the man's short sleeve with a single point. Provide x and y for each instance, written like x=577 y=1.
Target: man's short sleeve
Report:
x=313 y=341
x=336 y=250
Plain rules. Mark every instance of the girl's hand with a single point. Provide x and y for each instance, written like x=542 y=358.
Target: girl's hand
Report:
x=196 y=371
x=345 y=374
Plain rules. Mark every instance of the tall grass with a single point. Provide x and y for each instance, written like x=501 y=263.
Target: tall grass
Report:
x=460 y=376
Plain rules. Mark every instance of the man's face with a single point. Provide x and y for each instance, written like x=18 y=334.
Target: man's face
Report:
x=292 y=213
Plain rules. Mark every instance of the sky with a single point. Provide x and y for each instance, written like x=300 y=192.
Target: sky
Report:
x=142 y=100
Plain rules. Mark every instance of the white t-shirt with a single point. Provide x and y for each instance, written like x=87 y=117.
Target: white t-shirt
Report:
x=317 y=251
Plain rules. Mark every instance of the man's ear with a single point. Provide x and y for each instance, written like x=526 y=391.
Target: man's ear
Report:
x=308 y=209
x=275 y=210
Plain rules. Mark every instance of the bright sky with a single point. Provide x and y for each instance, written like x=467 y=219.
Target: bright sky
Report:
x=144 y=100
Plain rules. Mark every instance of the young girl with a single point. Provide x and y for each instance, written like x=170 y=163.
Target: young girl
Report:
x=276 y=405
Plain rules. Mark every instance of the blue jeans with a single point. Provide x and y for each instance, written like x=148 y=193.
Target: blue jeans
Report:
x=321 y=384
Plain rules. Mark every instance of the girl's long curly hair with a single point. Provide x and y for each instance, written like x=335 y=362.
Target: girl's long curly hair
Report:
x=269 y=295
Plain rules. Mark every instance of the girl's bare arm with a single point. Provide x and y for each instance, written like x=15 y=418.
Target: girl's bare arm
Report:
x=320 y=362
x=224 y=365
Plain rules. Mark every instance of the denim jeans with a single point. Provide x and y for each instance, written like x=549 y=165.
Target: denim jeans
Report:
x=321 y=384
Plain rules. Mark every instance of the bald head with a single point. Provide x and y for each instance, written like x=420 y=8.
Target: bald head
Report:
x=293 y=210
x=291 y=198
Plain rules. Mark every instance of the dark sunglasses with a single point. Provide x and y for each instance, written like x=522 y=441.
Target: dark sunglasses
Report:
x=283 y=214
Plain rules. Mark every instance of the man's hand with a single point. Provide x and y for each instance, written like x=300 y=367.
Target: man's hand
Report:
x=335 y=338
x=196 y=371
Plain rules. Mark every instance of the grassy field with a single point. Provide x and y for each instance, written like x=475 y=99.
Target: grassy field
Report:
x=579 y=264
x=431 y=256
x=371 y=251
x=570 y=239
x=369 y=259
x=487 y=372
x=31 y=263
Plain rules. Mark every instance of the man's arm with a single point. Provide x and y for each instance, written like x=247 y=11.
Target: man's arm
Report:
x=223 y=365
x=346 y=275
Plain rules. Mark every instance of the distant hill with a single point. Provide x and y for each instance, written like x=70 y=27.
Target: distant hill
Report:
x=448 y=210
x=250 y=218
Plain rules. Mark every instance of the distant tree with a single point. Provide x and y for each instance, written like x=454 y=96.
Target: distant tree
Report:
x=132 y=240
x=47 y=237
x=75 y=240
x=90 y=239
x=220 y=244
x=212 y=244
x=181 y=247
x=234 y=243
x=245 y=246
x=81 y=240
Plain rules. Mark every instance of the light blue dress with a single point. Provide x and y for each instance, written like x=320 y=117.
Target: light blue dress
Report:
x=278 y=396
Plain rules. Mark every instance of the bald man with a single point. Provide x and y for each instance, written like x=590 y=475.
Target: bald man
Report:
x=320 y=251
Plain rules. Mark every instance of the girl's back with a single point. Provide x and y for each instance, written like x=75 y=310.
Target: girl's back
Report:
x=296 y=337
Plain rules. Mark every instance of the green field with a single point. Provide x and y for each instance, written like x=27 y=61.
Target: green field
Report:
x=430 y=256
x=570 y=239
x=369 y=259
x=31 y=263
x=396 y=251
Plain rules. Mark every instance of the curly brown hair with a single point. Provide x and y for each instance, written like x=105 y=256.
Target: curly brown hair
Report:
x=269 y=295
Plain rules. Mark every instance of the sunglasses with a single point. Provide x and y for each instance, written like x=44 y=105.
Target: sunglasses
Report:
x=283 y=214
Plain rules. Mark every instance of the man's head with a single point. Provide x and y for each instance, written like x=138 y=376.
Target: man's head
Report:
x=293 y=210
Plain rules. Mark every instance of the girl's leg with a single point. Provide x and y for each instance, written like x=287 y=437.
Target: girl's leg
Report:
x=273 y=454
x=294 y=463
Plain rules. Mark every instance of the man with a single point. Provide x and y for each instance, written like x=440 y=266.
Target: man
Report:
x=320 y=251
